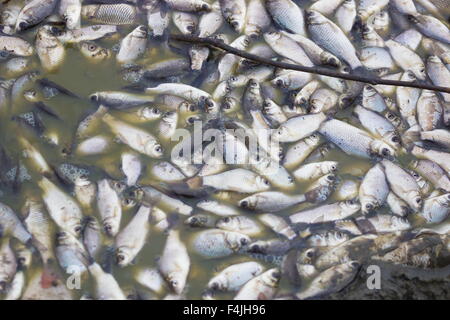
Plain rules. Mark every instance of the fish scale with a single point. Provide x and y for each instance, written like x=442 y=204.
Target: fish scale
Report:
x=120 y=14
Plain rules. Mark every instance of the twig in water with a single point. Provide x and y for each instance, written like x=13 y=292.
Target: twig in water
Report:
x=316 y=70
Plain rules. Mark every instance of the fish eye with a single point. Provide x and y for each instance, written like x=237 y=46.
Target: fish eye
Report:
x=94 y=97
x=244 y=241
x=266 y=182
x=244 y=204
x=369 y=206
x=205 y=6
x=21 y=261
x=226 y=220
x=92 y=47
x=310 y=253
x=418 y=200
x=333 y=167
x=119 y=185
x=22 y=25
x=279 y=83
x=227 y=105
x=191 y=120
x=173 y=283
x=77 y=229
x=234 y=24
x=143 y=28
x=129 y=202
x=214 y=286
x=385 y=152
x=108 y=228
x=120 y=258
x=159 y=149
x=276 y=275
x=330 y=177
x=395 y=139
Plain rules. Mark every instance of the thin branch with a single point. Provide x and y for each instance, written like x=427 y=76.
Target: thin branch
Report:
x=316 y=70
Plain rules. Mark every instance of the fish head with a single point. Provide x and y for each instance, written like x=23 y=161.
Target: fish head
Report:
x=282 y=134
x=368 y=204
x=93 y=51
x=198 y=55
x=198 y=220
x=176 y=282
x=307 y=256
x=228 y=223
x=280 y=82
x=122 y=257
x=72 y=16
x=316 y=104
x=237 y=241
x=345 y=100
x=419 y=71
x=306 y=271
x=218 y=283
x=95 y=97
x=118 y=186
x=89 y=11
x=203 y=6
x=140 y=32
x=313 y=139
x=352 y=266
x=415 y=200
x=415 y=18
x=269 y=107
x=207 y=204
x=258 y=247
x=272 y=36
x=271 y=277
x=149 y=113
x=382 y=149
x=237 y=25
x=210 y=105
x=330 y=60
x=64 y=238
x=262 y=183
x=393 y=139
x=369 y=91
x=154 y=149
x=111 y=227
x=3 y=285
x=401 y=223
x=76 y=228
x=444 y=200
x=314 y=17
x=187 y=107
x=329 y=166
x=351 y=206
x=128 y=203
x=229 y=104
x=24 y=257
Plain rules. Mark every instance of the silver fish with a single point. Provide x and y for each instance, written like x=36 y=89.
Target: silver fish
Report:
x=115 y=14
x=287 y=14
x=330 y=37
